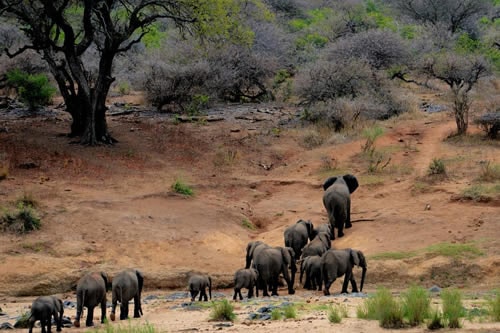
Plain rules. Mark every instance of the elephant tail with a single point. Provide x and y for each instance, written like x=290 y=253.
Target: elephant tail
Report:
x=210 y=287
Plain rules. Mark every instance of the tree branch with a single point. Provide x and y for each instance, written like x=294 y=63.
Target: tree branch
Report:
x=18 y=52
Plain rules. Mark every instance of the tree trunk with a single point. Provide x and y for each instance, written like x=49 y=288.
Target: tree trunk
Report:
x=461 y=107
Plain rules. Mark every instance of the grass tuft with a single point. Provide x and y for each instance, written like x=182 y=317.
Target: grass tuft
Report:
x=290 y=312
x=222 y=311
x=435 y=320
x=452 y=307
x=494 y=307
x=248 y=225
x=144 y=328
x=22 y=221
x=276 y=314
x=436 y=167
x=383 y=307
x=336 y=313
x=416 y=304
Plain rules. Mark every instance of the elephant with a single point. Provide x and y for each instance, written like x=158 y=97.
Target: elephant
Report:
x=272 y=261
x=319 y=245
x=90 y=292
x=325 y=227
x=245 y=278
x=335 y=263
x=198 y=284
x=43 y=308
x=311 y=266
x=337 y=201
x=253 y=248
x=297 y=235
x=127 y=285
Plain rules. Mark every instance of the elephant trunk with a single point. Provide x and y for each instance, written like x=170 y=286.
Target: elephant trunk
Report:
x=363 y=274
x=210 y=287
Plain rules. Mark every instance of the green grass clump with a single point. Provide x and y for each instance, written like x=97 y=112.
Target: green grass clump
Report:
x=416 y=305
x=494 y=307
x=23 y=321
x=336 y=313
x=384 y=308
x=276 y=314
x=455 y=250
x=222 y=311
x=290 y=312
x=247 y=224
x=393 y=255
x=436 y=167
x=452 y=307
x=182 y=188
x=22 y=221
x=435 y=320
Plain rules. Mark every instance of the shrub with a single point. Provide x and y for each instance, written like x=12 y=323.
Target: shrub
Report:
x=435 y=321
x=180 y=187
x=336 y=313
x=222 y=311
x=489 y=172
x=23 y=221
x=23 y=321
x=436 y=167
x=452 y=307
x=33 y=89
x=312 y=139
x=290 y=312
x=371 y=134
x=489 y=123
x=494 y=307
x=276 y=314
x=416 y=305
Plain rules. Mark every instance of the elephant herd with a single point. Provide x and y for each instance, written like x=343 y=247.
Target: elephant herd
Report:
x=304 y=244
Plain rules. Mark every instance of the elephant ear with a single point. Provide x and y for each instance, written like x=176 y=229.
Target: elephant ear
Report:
x=107 y=282
x=362 y=260
x=310 y=229
x=325 y=239
x=353 y=254
x=329 y=182
x=351 y=181
x=140 y=279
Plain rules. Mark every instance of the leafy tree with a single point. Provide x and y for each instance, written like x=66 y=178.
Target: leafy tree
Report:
x=460 y=73
x=64 y=32
x=454 y=15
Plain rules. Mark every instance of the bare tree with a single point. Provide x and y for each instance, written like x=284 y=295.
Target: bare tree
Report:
x=460 y=73
x=455 y=14
x=64 y=31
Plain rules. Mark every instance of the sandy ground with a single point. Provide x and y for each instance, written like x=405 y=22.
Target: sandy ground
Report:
x=110 y=208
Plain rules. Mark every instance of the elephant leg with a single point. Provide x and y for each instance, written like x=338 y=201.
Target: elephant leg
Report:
x=353 y=284
x=250 y=292
x=90 y=316
x=103 y=311
x=58 y=318
x=194 y=293
x=346 y=283
x=326 y=292
x=319 y=282
x=264 y=289
x=114 y=301
x=235 y=293
x=348 y=223
x=124 y=310
x=274 y=287
x=46 y=325
x=137 y=306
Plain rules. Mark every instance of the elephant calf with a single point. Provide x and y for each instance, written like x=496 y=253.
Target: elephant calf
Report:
x=319 y=245
x=127 y=285
x=43 y=308
x=245 y=278
x=311 y=266
x=198 y=284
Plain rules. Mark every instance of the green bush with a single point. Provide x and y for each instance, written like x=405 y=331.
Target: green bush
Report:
x=371 y=134
x=22 y=221
x=436 y=167
x=33 y=89
x=452 y=307
x=416 y=305
x=494 y=307
x=276 y=314
x=222 y=311
x=182 y=188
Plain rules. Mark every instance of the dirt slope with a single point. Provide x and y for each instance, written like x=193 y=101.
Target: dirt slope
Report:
x=108 y=208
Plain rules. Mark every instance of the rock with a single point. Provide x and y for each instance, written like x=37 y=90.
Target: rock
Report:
x=435 y=289
x=6 y=326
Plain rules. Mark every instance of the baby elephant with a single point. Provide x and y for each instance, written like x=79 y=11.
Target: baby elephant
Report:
x=198 y=284
x=245 y=278
x=43 y=308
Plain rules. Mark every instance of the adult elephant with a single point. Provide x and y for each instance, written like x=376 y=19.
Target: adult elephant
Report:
x=91 y=292
x=337 y=201
x=253 y=249
x=127 y=285
x=198 y=284
x=270 y=262
x=297 y=235
x=319 y=245
x=44 y=308
x=311 y=266
x=335 y=263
